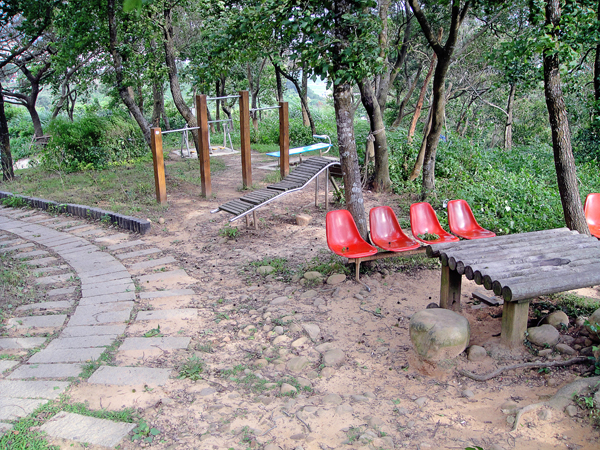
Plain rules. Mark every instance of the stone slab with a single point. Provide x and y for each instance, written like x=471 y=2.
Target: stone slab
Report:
x=152 y=263
x=64 y=224
x=70 y=246
x=109 y=298
x=94 y=232
x=112 y=239
x=68 y=355
x=108 y=287
x=164 y=343
x=178 y=275
x=146 y=252
x=98 y=330
x=126 y=245
x=52 y=279
x=99 y=318
x=91 y=430
x=16 y=247
x=61 y=291
x=53 y=321
x=15 y=408
x=45 y=306
x=32 y=254
x=21 y=343
x=6 y=364
x=166 y=314
x=46 y=371
x=105 y=277
x=42 y=261
x=60 y=240
x=49 y=390
x=128 y=376
x=80 y=227
x=83 y=251
x=12 y=241
x=81 y=342
x=46 y=270
x=113 y=267
x=168 y=293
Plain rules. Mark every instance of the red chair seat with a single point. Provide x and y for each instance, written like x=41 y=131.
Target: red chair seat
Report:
x=592 y=213
x=463 y=223
x=343 y=237
x=424 y=221
x=386 y=232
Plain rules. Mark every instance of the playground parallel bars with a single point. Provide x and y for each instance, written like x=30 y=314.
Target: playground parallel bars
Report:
x=204 y=153
x=245 y=139
x=159 y=166
x=284 y=140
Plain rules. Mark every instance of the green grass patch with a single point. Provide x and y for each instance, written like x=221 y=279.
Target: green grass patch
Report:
x=404 y=264
x=188 y=170
x=16 y=285
x=281 y=266
x=192 y=368
x=326 y=264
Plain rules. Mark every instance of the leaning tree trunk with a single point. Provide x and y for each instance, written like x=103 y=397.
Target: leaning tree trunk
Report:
x=509 y=117
x=156 y=103
x=344 y=117
x=597 y=71
x=382 y=182
x=421 y=156
x=305 y=119
x=120 y=79
x=5 y=154
x=561 y=136
x=417 y=114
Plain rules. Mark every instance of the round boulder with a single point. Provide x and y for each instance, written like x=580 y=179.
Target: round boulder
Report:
x=558 y=319
x=544 y=335
x=439 y=333
x=594 y=326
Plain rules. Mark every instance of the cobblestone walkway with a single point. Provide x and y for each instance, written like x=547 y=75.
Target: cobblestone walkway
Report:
x=91 y=296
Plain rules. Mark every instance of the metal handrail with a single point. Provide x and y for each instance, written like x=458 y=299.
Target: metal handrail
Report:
x=180 y=129
x=265 y=108
x=221 y=98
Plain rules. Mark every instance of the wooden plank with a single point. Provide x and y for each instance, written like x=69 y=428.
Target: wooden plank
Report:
x=284 y=140
x=550 y=284
x=480 y=276
x=514 y=323
x=492 y=301
x=450 y=289
x=159 y=166
x=245 y=139
x=435 y=249
x=204 y=153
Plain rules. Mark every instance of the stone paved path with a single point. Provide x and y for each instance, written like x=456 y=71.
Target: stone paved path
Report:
x=92 y=297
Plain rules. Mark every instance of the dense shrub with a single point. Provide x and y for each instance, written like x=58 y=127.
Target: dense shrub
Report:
x=91 y=142
x=20 y=129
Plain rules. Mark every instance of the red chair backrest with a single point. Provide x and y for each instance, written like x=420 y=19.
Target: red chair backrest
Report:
x=341 y=231
x=592 y=209
x=460 y=217
x=423 y=220
x=384 y=226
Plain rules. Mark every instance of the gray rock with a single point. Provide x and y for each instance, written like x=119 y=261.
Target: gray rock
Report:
x=476 y=353
x=309 y=294
x=558 y=319
x=333 y=399
x=312 y=330
x=360 y=398
x=297 y=364
x=323 y=348
x=313 y=275
x=545 y=414
x=544 y=335
x=265 y=270
x=439 y=333
x=565 y=349
x=279 y=301
x=303 y=220
x=572 y=410
x=272 y=447
x=327 y=372
x=545 y=352
x=344 y=409
x=421 y=401
x=334 y=358
x=467 y=393
x=336 y=279
x=278 y=329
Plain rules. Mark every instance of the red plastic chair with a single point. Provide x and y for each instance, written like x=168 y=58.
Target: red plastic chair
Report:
x=343 y=237
x=386 y=232
x=462 y=222
x=424 y=221
x=592 y=213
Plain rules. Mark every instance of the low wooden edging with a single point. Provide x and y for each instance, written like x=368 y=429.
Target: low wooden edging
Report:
x=134 y=224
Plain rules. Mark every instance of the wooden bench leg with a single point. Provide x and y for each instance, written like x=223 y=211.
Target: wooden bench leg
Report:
x=255 y=221
x=514 y=323
x=327 y=190
x=317 y=191
x=450 y=289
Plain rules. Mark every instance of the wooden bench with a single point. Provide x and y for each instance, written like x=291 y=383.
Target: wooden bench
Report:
x=518 y=267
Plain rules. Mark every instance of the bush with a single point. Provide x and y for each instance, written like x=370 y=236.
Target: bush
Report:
x=91 y=142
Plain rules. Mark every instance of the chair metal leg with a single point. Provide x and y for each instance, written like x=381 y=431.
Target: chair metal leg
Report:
x=255 y=221
x=317 y=191
x=327 y=190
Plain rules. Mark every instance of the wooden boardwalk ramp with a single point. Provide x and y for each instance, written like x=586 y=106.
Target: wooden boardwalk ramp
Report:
x=302 y=175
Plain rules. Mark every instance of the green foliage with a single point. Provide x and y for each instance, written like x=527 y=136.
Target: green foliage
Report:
x=428 y=236
x=14 y=202
x=229 y=232
x=326 y=264
x=91 y=142
x=154 y=332
x=192 y=368
x=144 y=432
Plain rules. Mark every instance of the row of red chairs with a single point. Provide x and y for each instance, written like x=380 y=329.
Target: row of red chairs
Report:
x=344 y=239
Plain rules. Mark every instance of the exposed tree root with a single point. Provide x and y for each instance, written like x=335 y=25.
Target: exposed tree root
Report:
x=495 y=373
x=561 y=399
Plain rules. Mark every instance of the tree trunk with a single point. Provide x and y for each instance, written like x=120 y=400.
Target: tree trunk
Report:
x=421 y=156
x=597 y=72
x=120 y=80
x=417 y=114
x=6 y=162
x=412 y=84
x=279 y=83
x=509 y=117
x=180 y=104
x=561 y=135
x=305 y=119
x=342 y=100
x=302 y=100
x=382 y=182
x=156 y=103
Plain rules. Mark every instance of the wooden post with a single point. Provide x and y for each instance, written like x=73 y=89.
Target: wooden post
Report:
x=514 y=323
x=245 y=139
x=204 y=153
x=159 y=166
x=284 y=140
x=450 y=290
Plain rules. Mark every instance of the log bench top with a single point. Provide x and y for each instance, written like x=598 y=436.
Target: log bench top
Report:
x=519 y=267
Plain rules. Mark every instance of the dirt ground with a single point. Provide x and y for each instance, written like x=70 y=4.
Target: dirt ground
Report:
x=385 y=397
